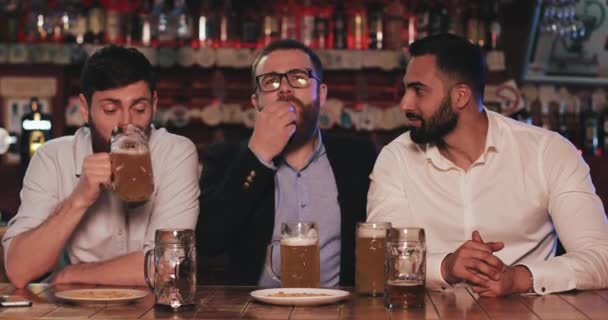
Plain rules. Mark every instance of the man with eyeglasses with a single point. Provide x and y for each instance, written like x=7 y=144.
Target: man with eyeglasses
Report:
x=287 y=171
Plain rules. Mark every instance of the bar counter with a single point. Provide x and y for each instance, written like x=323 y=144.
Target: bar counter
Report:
x=223 y=302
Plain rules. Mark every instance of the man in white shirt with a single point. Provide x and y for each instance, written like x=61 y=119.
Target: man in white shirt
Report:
x=493 y=194
x=66 y=202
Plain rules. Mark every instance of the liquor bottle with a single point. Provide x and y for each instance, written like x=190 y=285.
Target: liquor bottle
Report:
x=340 y=26
x=229 y=26
x=183 y=21
x=438 y=18
x=166 y=25
x=307 y=23
x=38 y=28
x=422 y=14
x=473 y=22
x=270 y=26
x=395 y=25
x=114 y=22
x=357 y=27
x=289 y=28
x=590 y=124
x=322 y=31
x=9 y=20
x=494 y=28
x=376 y=26
x=75 y=16
x=95 y=23
x=563 y=115
x=251 y=25
x=35 y=130
x=455 y=22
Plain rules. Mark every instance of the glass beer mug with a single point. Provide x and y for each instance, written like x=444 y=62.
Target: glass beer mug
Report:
x=405 y=268
x=300 y=261
x=174 y=267
x=133 y=180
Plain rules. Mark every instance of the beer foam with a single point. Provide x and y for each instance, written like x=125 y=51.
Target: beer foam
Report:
x=371 y=233
x=129 y=148
x=299 y=241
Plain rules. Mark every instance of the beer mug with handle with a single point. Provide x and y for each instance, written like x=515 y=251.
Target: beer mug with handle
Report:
x=133 y=180
x=300 y=261
x=170 y=268
x=405 y=268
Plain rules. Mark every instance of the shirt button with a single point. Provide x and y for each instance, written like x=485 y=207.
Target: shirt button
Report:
x=543 y=289
x=302 y=205
x=299 y=175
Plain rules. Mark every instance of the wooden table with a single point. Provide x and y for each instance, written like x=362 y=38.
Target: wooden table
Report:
x=235 y=303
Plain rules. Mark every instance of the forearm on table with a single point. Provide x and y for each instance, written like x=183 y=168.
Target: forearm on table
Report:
x=33 y=253
x=125 y=270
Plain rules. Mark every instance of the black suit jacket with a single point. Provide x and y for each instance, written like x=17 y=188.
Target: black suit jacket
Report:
x=237 y=205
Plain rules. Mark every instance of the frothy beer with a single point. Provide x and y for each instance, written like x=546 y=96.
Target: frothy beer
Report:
x=408 y=293
x=370 y=254
x=300 y=263
x=133 y=178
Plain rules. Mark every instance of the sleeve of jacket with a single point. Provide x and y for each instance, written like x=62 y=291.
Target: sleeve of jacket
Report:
x=232 y=183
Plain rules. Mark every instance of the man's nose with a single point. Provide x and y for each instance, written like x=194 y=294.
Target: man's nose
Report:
x=406 y=103
x=284 y=86
x=125 y=118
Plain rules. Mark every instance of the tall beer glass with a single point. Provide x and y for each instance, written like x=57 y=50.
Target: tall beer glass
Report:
x=299 y=255
x=405 y=268
x=370 y=254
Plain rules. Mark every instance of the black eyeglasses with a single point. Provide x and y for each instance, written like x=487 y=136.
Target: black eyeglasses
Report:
x=297 y=78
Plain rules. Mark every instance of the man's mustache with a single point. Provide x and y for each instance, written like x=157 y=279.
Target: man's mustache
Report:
x=413 y=116
x=290 y=98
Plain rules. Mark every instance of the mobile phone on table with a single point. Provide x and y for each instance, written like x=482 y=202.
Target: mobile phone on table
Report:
x=14 y=301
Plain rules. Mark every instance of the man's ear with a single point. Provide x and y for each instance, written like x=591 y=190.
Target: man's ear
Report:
x=461 y=96
x=254 y=101
x=322 y=94
x=154 y=102
x=84 y=107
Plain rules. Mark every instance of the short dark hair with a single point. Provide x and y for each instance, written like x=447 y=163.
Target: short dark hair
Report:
x=288 y=44
x=114 y=67
x=456 y=57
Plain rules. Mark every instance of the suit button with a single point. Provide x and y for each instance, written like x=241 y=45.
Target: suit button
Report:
x=252 y=173
x=246 y=185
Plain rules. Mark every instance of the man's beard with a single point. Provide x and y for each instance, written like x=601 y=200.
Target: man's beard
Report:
x=442 y=122
x=306 y=125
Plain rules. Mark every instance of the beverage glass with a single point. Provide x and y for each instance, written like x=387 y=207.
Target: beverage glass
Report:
x=172 y=275
x=133 y=180
x=300 y=262
x=405 y=268
x=370 y=255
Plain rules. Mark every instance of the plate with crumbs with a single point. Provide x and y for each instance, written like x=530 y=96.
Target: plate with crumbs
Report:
x=99 y=295
x=299 y=296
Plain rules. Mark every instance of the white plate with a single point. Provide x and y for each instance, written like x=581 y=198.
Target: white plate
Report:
x=321 y=296
x=108 y=295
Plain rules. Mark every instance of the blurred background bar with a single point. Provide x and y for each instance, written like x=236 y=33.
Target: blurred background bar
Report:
x=548 y=65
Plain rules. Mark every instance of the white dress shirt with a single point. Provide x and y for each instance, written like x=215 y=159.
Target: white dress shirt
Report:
x=527 y=187
x=109 y=228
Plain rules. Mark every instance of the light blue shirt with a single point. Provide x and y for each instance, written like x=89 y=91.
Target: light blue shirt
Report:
x=308 y=195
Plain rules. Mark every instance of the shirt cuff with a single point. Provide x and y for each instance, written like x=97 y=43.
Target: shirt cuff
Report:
x=434 y=279
x=551 y=276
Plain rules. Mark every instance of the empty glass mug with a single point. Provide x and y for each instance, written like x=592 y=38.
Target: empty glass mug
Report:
x=405 y=268
x=133 y=180
x=173 y=268
x=300 y=262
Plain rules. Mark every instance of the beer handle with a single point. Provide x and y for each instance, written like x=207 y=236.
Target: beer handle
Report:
x=147 y=267
x=111 y=187
x=269 y=265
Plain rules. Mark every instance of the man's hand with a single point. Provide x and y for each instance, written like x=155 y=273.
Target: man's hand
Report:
x=474 y=261
x=514 y=280
x=274 y=125
x=96 y=172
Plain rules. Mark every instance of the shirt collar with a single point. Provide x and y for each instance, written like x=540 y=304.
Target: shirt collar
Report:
x=433 y=155
x=318 y=151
